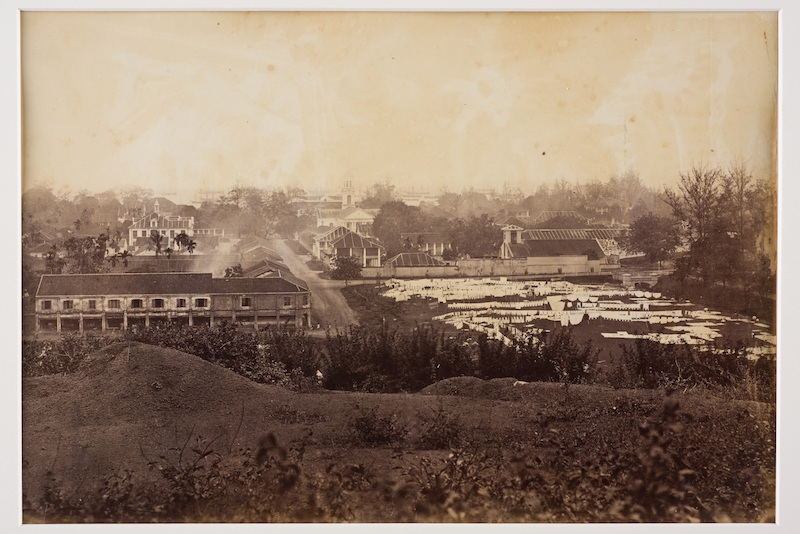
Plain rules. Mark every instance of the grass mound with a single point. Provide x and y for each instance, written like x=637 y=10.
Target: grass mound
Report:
x=222 y=448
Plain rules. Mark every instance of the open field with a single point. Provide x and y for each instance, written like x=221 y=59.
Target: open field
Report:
x=166 y=436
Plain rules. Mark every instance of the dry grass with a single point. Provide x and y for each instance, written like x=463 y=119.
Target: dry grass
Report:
x=525 y=452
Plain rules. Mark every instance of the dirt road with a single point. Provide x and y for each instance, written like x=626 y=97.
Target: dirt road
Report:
x=328 y=306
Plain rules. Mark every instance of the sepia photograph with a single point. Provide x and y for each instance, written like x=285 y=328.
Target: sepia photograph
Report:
x=347 y=266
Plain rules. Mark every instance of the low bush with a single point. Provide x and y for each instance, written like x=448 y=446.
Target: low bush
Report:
x=272 y=356
x=441 y=429
x=61 y=356
x=667 y=466
x=649 y=364
x=370 y=428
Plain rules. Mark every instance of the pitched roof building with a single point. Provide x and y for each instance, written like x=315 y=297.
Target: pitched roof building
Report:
x=434 y=243
x=584 y=250
x=413 y=259
x=368 y=250
x=116 y=301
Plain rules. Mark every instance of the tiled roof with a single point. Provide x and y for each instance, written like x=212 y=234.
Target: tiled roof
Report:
x=251 y=240
x=353 y=240
x=413 y=259
x=257 y=253
x=163 y=284
x=563 y=247
x=267 y=284
x=547 y=215
x=592 y=233
x=510 y=219
x=332 y=234
x=123 y=284
x=263 y=266
x=518 y=250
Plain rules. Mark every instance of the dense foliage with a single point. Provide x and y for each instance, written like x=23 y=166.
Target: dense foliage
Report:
x=387 y=359
x=656 y=237
x=345 y=268
x=60 y=356
x=273 y=356
x=726 y=215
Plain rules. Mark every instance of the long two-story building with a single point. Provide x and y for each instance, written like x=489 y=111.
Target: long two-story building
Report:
x=117 y=301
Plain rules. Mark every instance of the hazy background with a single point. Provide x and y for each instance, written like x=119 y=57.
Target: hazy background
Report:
x=177 y=102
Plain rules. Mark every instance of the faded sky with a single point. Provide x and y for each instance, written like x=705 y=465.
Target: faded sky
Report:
x=180 y=101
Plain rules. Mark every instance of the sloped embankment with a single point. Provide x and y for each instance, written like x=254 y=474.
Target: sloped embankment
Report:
x=130 y=403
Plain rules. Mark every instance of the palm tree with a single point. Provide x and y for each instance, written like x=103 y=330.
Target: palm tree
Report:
x=124 y=255
x=157 y=239
x=190 y=245
x=181 y=239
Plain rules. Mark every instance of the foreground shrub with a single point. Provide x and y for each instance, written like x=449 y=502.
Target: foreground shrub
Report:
x=386 y=359
x=272 y=356
x=649 y=364
x=61 y=356
x=370 y=428
x=555 y=357
x=441 y=429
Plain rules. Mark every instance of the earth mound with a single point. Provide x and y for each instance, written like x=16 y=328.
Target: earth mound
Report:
x=131 y=400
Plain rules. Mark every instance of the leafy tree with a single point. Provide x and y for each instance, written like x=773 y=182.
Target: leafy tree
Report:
x=476 y=236
x=449 y=254
x=740 y=197
x=86 y=254
x=393 y=219
x=134 y=197
x=379 y=194
x=54 y=263
x=474 y=203
x=123 y=257
x=563 y=221
x=697 y=199
x=450 y=201
x=246 y=208
x=181 y=239
x=657 y=237
x=697 y=202
x=235 y=271
x=346 y=268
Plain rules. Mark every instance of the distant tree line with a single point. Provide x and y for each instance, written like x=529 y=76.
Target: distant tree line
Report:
x=472 y=236
x=720 y=232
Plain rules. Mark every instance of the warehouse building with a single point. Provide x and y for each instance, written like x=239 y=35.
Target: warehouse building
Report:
x=118 y=301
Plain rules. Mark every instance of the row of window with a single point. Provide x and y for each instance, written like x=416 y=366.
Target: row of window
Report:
x=135 y=303
x=146 y=233
x=246 y=302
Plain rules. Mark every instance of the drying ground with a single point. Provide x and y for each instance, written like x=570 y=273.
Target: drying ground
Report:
x=372 y=309
x=141 y=433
